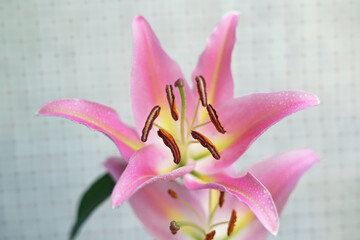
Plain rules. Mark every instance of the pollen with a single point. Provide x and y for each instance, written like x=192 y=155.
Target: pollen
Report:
x=201 y=87
x=172 y=193
x=205 y=142
x=154 y=113
x=210 y=235
x=171 y=100
x=169 y=141
x=221 y=198
x=232 y=222
x=173 y=227
x=215 y=119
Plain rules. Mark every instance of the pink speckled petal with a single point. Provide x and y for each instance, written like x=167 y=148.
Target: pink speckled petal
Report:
x=153 y=202
x=97 y=117
x=150 y=164
x=215 y=62
x=155 y=208
x=247 y=189
x=152 y=70
x=246 y=118
x=115 y=166
x=279 y=174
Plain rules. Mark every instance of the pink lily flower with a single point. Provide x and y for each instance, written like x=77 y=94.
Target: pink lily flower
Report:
x=207 y=138
x=159 y=204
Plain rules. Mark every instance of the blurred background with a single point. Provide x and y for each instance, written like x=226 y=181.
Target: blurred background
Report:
x=82 y=49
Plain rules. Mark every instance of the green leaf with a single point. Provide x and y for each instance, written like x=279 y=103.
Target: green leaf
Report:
x=91 y=199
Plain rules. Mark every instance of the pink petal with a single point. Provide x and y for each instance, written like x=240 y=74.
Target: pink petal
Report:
x=246 y=118
x=279 y=174
x=247 y=189
x=115 y=166
x=152 y=70
x=215 y=62
x=150 y=164
x=155 y=208
x=97 y=117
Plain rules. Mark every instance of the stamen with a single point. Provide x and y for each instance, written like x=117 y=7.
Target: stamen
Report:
x=172 y=193
x=205 y=142
x=231 y=222
x=170 y=142
x=201 y=87
x=173 y=227
x=215 y=119
x=154 y=113
x=210 y=235
x=171 y=100
x=221 y=198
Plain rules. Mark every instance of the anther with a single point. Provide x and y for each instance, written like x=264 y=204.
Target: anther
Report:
x=172 y=193
x=231 y=222
x=205 y=142
x=154 y=113
x=201 y=87
x=171 y=100
x=170 y=142
x=221 y=198
x=215 y=119
x=173 y=227
x=210 y=235
x=179 y=83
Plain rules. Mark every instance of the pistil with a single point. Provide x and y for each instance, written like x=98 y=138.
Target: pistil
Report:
x=180 y=85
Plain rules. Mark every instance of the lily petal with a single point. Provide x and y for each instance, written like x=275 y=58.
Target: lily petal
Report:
x=150 y=164
x=115 y=166
x=97 y=117
x=215 y=62
x=247 y=189
x=152 y=70
x=246 y=118
x=155 y=208
x=279 y=174
x=153 y=202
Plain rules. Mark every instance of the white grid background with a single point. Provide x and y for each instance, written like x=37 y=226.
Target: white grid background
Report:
x=59 y=49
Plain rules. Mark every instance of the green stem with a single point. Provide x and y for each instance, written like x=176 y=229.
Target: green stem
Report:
x=190 y=224
x=158 y=126
x=195 y=115
x=200 y=125
x=191 y=208
x=218 y=224
x=183 y=108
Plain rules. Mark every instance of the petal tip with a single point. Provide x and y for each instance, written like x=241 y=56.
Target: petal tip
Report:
x=138 y=18
x=233 y=14
x=115 y=203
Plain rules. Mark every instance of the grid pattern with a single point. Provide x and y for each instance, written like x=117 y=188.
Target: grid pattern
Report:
x=60 y=49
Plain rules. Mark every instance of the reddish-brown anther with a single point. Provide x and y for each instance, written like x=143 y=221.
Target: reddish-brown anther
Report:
x=232 y=222
x=221 y=198
x=201 y=87
x=210 y=235
x=170 y=143
x=205 y=142
x=172 y=193
x=154 y=113
x=171 y=100
x=215 y=119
